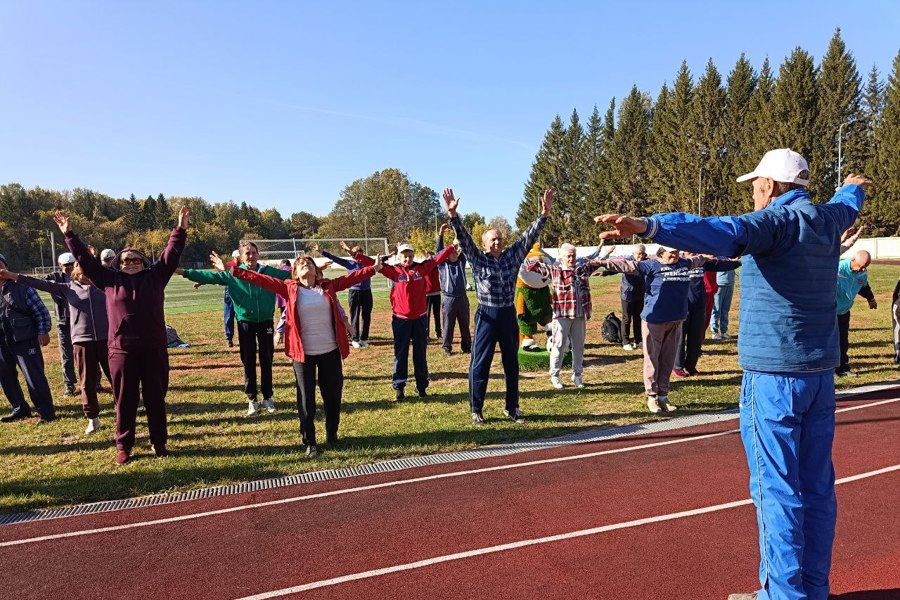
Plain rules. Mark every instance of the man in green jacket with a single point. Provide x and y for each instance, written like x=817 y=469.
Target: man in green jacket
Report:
x=254 y=308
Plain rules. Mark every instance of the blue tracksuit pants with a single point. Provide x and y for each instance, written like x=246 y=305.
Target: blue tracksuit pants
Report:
x=492 y=326
x=228 y=316
x=787 y=426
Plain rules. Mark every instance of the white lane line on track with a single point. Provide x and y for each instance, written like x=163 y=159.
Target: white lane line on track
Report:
x=364 y=488
x=524 y=543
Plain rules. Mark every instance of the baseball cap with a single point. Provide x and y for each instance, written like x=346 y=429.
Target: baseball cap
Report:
x=782 y=165
x=405 y=248
x=66 y=258
x=107 y=254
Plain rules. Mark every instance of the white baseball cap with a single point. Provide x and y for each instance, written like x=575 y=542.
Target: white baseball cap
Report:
x=782 y=165
x=66 y=258
x=107 y=254
x=405 y=248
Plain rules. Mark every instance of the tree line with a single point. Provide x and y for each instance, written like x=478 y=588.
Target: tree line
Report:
x=683 y=150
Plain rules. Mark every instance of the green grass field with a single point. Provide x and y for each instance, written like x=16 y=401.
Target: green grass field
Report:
x=213 y=442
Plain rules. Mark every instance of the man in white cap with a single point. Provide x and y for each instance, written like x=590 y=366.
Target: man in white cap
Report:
x=107 y=257
x=788 y=349
x=66 y=263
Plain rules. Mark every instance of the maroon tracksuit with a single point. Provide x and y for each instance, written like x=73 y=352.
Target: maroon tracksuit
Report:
x=138 y=354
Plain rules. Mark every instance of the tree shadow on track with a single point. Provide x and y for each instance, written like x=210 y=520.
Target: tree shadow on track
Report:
x=869 y=595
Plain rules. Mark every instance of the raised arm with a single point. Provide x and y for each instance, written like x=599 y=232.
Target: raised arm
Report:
x=363 y=260
x=536 y=264
x=427 y=266
x=440 y=238
x=51 y=287
x=352 y=278
x=266 y=282
x=347 y=264
x=619 y=265
x=168 y=260
x=93 y=268
x=469 y=249
x=527 y=239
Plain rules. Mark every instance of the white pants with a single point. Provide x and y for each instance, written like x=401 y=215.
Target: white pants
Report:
x=564 y=331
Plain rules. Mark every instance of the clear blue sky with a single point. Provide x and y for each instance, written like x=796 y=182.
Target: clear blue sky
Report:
x=282 y=104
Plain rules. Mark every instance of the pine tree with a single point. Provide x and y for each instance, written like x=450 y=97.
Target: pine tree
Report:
x=795 y=106
x=760 y=123
x=628 y=154
x=708 y=134
x=886 y=202
x=546 y=171
x=596 y=148
x=839 y=108
x=133 y=215
x=570 y=216
x=739 y=90
x=871 y=110
x=148 y=213
x=163 y=218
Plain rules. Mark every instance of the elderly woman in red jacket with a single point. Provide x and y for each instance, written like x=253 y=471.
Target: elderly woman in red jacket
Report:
x=315 y=338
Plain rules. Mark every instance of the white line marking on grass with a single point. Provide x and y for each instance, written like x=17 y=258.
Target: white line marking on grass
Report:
x=525 y=543
x=388 y=484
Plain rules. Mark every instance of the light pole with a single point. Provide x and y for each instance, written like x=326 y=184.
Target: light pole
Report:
x=840 y=155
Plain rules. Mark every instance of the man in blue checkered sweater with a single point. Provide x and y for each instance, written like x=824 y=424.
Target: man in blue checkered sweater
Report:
x=495 y=271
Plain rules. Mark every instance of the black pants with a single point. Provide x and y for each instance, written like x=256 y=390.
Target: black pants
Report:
x=253 y=336
x=360 y=314
x=844 y=337
x=631 y=319
x=327 y=371
x=433 y=304
x=67 y=356
x=456 y=310
x=692 y=332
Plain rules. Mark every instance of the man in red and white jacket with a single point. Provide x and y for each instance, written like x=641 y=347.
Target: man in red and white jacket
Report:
x=409 y=313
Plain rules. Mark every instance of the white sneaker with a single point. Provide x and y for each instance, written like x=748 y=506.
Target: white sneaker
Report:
x=717 y=336
x=653 y=404
x=269 y=404
x=663 y=402
x=276 y=339
x=93 y=425
x=555 y=382
x=355 y=344
x=576 y=379
x=363 y=343
x=627 y=347
x=725 y=336
x=252 y=407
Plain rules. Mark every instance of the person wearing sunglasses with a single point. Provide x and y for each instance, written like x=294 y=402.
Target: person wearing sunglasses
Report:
x=138 y=353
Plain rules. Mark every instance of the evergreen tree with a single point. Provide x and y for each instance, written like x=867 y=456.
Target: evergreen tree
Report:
x=148 y=213
x=163 y=217
x=760 y=123
x=885 y=205
x=597 y=143
x=546 y=171
x=870 y=113
x=133 y=215
x=839 y=108
x=628 y=154
x=708 y=134
x=738 y=133
x=572 y=216
x=795 y=106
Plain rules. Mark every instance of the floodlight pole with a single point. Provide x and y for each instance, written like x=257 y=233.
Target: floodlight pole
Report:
x=840 y=155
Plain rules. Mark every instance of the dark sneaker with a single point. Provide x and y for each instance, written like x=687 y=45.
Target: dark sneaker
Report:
x=693 y=372
x=400 y=394
x=69 y=393
x=421 y=393
x=331 y=438
x=477 y=419
x=159 y=451
x=312 y=451
x=447 y=351
x=122 y=457
x=16 y=415
x=229 y=344
x=515 y=414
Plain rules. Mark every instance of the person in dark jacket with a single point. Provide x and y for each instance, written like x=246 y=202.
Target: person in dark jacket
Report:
x=89 y=331
x=24 y=328
x=66 y=263
x=632 y=296
x=454 y=301
x=791 y=248
x=359 y=296
x=138 y=352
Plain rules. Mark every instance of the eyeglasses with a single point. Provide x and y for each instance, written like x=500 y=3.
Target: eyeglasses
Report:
x=132 y=260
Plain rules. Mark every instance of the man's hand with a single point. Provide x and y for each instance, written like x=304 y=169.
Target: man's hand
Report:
x=624 y=226
x=179 y=271
x=547 y=201
x=450 y=202
x=345 y=247
x=216 y=261
x=43 y=340
x=63 y=221
x=315 y=246
x=326 y=264
x=5 y=274
x=863 y=182
x=873 y=304
x=443 y=229
x=183 y=214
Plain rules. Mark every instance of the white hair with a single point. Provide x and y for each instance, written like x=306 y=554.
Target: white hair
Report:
x=566 y=248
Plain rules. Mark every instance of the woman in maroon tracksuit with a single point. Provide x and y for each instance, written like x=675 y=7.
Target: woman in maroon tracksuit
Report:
x=138 y=354
x=315 y=338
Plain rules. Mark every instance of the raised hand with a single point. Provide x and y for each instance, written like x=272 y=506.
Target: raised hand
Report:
x=624 y=226
x=860 y=180
x=547 y=201
x=450 y=202
x=183 y=214
x=216 y=261
x=443 y=229
x=63 y=221
x=326 y=264
x=5 y=274
x=345 y=247
x=314 y=247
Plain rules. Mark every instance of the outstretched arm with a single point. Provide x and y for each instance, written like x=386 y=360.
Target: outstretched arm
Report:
x=93 y=268
x=169 y=259
x=527 y=239
x=51 y=287
x=266 y=282
x=352 y=278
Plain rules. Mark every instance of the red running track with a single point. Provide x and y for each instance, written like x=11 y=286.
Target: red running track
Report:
x=601 y=500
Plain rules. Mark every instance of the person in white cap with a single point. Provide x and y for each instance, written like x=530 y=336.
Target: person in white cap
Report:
x=108 y=257
x=409 y=313
x=66 y=263
x=788 y=349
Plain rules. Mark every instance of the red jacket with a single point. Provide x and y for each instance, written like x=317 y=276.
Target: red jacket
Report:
x=293 y=346
x=433 y=283
x=408 y=293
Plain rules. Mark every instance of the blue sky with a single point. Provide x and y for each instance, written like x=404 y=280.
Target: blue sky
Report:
x=282 y=104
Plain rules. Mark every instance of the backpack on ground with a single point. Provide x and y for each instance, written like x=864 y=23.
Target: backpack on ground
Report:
x=611 y=330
